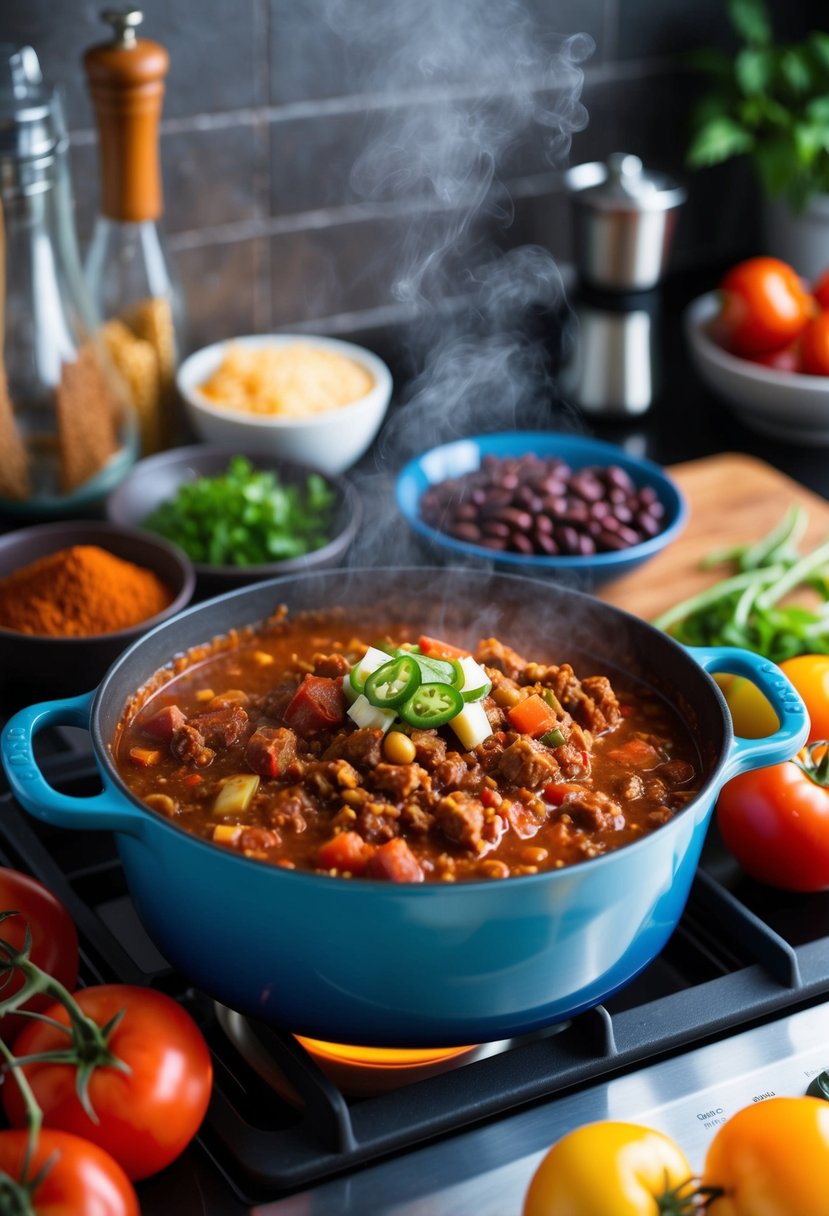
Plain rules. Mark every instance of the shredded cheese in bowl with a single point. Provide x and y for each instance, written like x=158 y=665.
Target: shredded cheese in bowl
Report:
x=289 y=381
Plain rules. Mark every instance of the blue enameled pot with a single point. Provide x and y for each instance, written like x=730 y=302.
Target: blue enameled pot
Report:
x=378 y=963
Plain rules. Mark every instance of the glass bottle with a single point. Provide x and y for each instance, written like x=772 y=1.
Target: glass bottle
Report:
x=67 y=433
x=129 y=272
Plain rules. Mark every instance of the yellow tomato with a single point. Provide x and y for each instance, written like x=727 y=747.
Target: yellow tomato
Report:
x=609 y=1169
x=771 y=1159
x=754 y=717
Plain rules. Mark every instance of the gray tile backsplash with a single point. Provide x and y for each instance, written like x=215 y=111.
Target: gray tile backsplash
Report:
x=329 y=161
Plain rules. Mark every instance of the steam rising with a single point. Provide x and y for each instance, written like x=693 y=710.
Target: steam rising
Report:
x=467 y=82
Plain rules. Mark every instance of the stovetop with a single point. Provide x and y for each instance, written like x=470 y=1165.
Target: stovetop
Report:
x=731 y=1010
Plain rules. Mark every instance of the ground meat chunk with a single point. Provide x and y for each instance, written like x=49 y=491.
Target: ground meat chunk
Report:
x=329 y=776
x=677 y=771
x=274 y=702
x=415 y=817
x=188 y=745
x=362 y=747
x=271 y=752
x=331 y=665
x=452 y=770
x=492 y=653
x=290 y=809
x=256 y=839
x=401 y=780
x=377 y=821
x=594 y=811
x=430 y=749
x=605 y=703
x=527 y=763
x=461 y=816
x=221 y=728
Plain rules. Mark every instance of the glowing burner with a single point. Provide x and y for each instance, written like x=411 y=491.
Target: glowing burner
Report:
x=379 y=1057
x=357 y=1071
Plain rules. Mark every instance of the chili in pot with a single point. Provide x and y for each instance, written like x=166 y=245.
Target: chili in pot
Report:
x=403 y=758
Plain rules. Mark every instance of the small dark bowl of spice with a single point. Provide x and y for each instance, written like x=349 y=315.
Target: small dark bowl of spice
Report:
x=240 y=516
x=74 y=595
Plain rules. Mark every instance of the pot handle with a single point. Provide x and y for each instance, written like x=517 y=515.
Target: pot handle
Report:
x=108 y=810
x=778 y=689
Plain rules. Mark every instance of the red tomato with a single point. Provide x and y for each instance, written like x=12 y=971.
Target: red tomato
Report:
x=764 y=306
x=786 y=359
x=814 y=346
x=82 y=1180
x=54 y=939
x=147 y=1116
x=821 y=290
x=775 y=821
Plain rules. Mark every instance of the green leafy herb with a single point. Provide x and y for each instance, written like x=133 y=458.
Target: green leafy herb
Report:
x=246 y=516
x=747 y=608
x=768 y=102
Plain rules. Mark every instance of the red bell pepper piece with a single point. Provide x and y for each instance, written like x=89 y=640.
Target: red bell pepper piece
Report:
x=436 y=649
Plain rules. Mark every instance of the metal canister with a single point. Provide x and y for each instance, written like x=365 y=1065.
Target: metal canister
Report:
x=624 y=218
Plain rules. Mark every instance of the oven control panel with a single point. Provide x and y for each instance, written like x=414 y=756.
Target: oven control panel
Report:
x=486 y=1172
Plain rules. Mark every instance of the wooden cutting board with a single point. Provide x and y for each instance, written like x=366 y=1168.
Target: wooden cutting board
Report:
x=732 y=499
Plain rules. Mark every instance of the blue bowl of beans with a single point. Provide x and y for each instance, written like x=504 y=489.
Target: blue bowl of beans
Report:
x=541 y=502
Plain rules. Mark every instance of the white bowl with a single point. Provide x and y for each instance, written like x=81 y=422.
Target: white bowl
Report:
x=784 y=405
x=331 y=441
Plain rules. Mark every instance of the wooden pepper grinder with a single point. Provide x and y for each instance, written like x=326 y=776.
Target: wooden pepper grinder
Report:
x=129 y=273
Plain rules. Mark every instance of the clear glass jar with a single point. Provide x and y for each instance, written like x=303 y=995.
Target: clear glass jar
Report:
x=67 y=431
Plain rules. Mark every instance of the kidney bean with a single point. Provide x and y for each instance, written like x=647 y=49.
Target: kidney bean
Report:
x=532 y=505
x=496 y=527
x=521 y=543
x=468 y=532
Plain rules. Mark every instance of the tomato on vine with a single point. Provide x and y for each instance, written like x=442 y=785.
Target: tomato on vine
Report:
x=28 y=905
x=125 y=1067
x=62 y=1174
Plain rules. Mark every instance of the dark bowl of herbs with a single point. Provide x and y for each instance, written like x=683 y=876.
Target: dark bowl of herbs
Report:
x=240 y=517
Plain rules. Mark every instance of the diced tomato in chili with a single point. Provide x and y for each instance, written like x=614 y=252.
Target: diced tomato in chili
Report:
x=490 y=798
x=638 y=753
x=558 y=792
x=346 y=852
x=395 y=862
x=317 y=704
x=271 y=750
x=533 y=716
x=164 y=723
x=436 y=649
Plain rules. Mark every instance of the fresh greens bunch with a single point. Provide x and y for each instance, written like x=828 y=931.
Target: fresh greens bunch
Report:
x=747 y=608
x=769 y=102
x=246 y=516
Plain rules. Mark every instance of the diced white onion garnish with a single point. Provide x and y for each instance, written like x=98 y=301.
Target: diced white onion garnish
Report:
x=471 y=725
x=373 y=717
x=349 y=691
x=371 y=660
x=474 y=674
